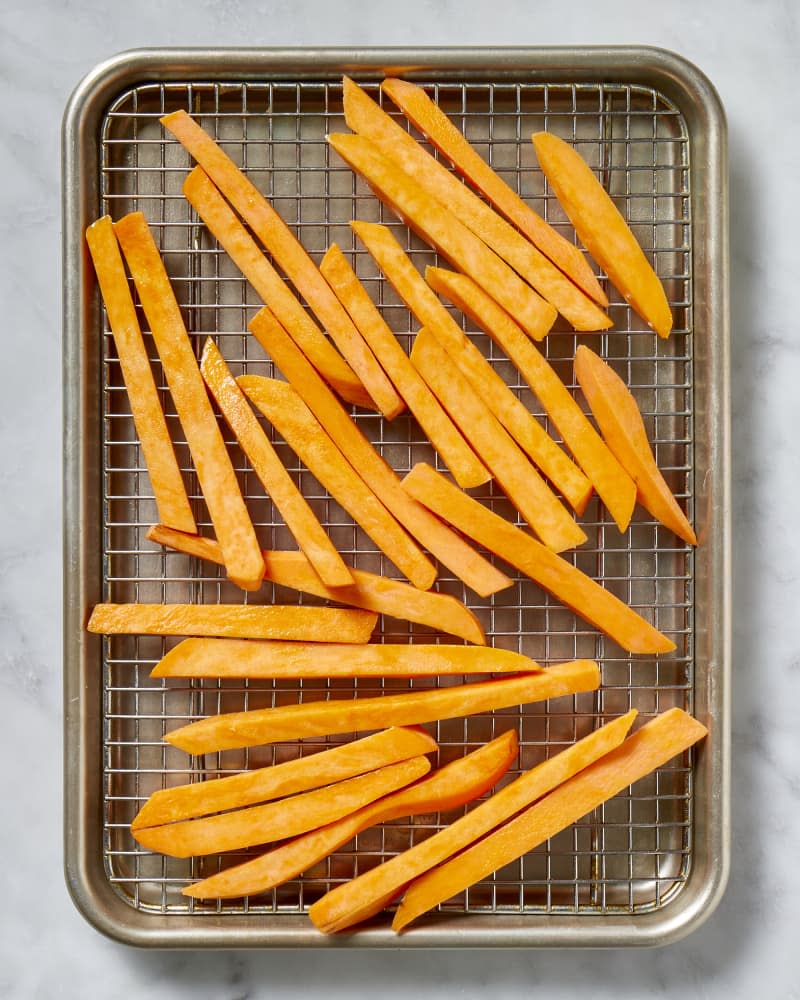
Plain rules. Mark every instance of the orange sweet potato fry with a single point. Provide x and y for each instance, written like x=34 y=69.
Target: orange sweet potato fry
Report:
x=169 y=490
x=447 y=546
x=272 y=659
x=441 y=431
x=243 y=560
x=564 y=581
x=621 y=423
x=323 y=718
x=601 y=227
x=365 y=116
x=443 y=230
x=423 y=303
x=520 y=481
x=451 y=786
x=364 y=896
x=369 y=590
x=229 y=232
x=264 y=784
x=301 y=623
x=288 y=252
x=301 y=430
x=292 y=505
x=443 y=134
x=287 y=817
x=615 y=487
x=650 y=747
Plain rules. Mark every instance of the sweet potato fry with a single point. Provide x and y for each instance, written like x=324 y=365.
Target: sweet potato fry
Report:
x=366 y=117
x=557 y=576
x=275 y=820
x=323 y=718
x=649 y=748
x=301 y=430
x=448 y=547
x=229 y=232
x=292 y=505
x=169 y=490
x=234 y=529
x=621 y=424
x=300 y=623
x=601 y=227
x=441 y=431
x=369 y=591
x=270 y=659
x=613 y=484
x=423 y=303
x=451 y=786
x=289 y=254
x=443 y=134
x=520 y=481
x=364 y=896
x=442 y=229
x=263 y=784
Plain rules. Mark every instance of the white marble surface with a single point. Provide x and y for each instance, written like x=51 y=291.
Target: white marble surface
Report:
x=750 y=51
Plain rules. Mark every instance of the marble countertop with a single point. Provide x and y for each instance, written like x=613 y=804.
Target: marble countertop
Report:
x=749 y=50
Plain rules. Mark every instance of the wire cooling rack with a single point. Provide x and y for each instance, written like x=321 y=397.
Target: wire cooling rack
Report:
x=629 y=856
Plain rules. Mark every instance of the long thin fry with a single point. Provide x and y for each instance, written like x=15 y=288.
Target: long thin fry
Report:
x=234 y=529
x=298 y=623
x=292 y=505
x=227 y=229
x=271 y=659
x=381 y=594
x=322 y=718
x=649 y=748
x=364 y=896
x=443 y=134
x=169 y=490
x=448 y=547
x=275 y=820
x=201 y=798
x=564 y=581
x=440 y=429
x=288 y=252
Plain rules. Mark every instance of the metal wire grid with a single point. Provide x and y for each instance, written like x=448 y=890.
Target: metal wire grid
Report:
x=632 y=854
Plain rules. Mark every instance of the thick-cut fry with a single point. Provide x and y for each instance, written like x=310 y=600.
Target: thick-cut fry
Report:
x=451 y=786
x=601 y=227
x=442 y=229
x=251 y=658
x=169 y=490
x=298 y=623
x=520 y=481
x=275 y=820
x=365 y=116
x=243 y=560
x=289 y=254
x=615 y=487
x=324 y=718
x=201 y=798
x=441 y=431
x=564 y=581
x=225 y=226
x=649 y=748
x=292 y=505
x=621 y=423
x=423 y=303
x=370 y=591
x=301 y=430
x=443 y=134
x=448 y=547
x=363 y=896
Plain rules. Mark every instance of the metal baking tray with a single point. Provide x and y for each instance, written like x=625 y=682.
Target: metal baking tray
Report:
x=648 y=866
